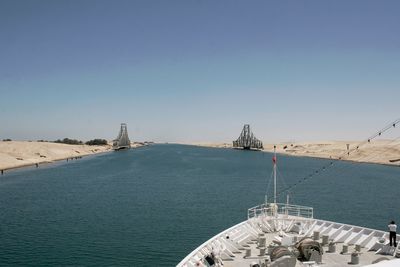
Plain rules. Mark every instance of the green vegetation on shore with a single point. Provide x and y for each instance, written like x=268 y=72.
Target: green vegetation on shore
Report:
x=97 y=142
x=69 y=141
x=94 y=142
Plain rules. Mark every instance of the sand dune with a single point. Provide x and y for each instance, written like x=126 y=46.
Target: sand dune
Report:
x=15 y=154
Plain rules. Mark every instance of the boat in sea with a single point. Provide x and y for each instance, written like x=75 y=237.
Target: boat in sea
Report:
x=286 y=235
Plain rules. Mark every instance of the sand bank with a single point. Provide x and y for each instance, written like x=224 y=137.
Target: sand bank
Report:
x=215 y=145
x=14 y=154
x=380 y=152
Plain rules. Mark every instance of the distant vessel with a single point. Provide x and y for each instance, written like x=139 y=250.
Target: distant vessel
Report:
x=285 y=235
x=122 y=141
x=247 y=140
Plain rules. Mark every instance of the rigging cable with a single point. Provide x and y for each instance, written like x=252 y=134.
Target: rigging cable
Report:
x=344 y=154
x=368 y=159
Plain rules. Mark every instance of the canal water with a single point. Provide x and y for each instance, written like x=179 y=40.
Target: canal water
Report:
x=153 y=205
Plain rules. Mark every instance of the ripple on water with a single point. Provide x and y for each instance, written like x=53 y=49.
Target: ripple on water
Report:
x=154 y=205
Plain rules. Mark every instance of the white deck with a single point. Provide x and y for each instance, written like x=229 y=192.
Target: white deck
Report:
x=285 y=225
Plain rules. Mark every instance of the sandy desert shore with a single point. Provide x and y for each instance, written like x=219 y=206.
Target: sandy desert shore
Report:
x=380 y=151
x=15 y=154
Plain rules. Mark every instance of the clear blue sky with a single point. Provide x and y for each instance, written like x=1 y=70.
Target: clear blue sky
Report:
x=198 y=70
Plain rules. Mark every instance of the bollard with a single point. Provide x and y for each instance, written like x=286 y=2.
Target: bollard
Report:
x=261 y=240
x=332 y=247
x=325 y=239
x=248 y=253
x=355 y=259
x=316 y=235
x=345 y=248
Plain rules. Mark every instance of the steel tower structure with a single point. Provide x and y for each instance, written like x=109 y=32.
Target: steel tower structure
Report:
x=247 y=140
x=122 y=141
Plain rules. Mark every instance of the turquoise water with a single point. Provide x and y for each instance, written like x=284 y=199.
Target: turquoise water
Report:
x=152 y=206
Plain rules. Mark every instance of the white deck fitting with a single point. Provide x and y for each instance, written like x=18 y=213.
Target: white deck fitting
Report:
x=232 y=243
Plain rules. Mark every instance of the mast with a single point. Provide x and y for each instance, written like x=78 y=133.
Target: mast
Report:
x=274 y=161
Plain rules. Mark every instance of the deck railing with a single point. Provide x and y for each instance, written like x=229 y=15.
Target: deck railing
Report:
x=275 y=209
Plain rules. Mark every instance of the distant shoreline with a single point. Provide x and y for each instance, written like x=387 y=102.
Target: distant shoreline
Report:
x=383 y=152
x=22 y=154
x=31 y=165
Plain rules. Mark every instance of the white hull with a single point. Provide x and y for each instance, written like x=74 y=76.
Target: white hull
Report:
x=239 y=245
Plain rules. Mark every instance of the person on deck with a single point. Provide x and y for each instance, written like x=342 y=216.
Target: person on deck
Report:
x=392 y=233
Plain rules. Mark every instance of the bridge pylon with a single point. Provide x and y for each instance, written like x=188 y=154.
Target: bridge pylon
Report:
x=122 y=141
x=247 y=140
